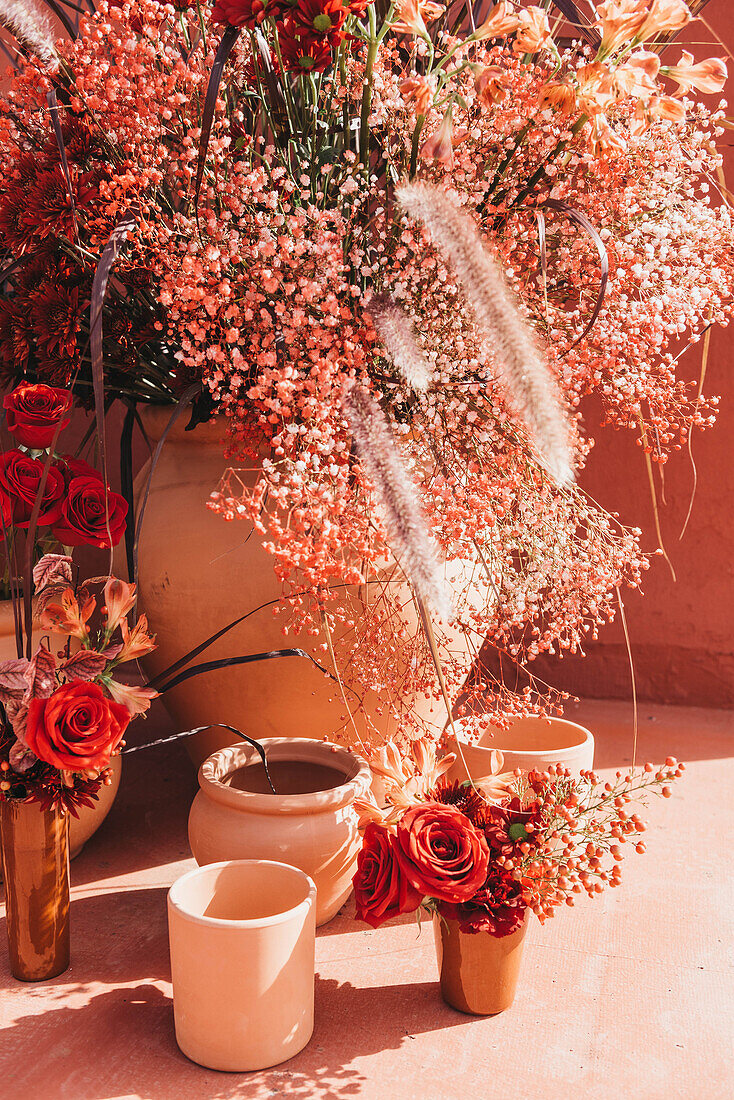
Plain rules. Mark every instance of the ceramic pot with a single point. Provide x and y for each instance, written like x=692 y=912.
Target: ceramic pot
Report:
x=530 y=743
x=35 y=856
x=90 y=817
x=478 y=971
x=310 y=824
x=242 y=939
x=198 y=573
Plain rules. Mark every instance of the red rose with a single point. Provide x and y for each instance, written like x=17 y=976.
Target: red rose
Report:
x=441 y=852
x=381 y=889
x=76 y=728
x=35 y=411
x=76 y=467
x=20 y=478
x=84 y=520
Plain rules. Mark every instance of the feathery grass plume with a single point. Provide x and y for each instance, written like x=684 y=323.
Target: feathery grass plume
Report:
x=397 y=336
x=31 y=28
x=526 y=376
x=407 y=530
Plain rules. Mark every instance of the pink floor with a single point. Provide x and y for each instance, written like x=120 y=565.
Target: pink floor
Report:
x=625 y=997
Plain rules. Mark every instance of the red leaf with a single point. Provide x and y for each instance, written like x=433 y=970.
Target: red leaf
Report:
x=13 y=681
x=85 y=664
x=40 y=674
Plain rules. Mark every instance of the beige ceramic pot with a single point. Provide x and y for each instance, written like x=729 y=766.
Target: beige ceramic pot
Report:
x=530 y=743
x=310 y=824
x=197 y=573
x=242 y=938
x=479 y=972
x=90 y=818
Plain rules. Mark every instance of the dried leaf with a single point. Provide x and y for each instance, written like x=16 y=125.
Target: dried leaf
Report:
x=48 y=595
x=52 y=569
x=40 y=674
x=85 y=664
x=13 y=681
x=17 y=714
x=20 y=758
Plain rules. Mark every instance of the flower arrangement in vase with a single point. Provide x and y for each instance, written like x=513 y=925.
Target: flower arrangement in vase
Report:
x=64 y=713
x=480 y=857
x=394 y=246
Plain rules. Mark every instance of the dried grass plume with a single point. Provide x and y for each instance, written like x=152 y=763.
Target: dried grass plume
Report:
x=32 y=29
x=407 y=531
x=397 y=336
x=527 y=378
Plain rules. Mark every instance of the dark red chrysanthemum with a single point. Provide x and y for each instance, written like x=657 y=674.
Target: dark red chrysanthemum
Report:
x=461 y=795
x=15 y=338
x=247 y=13
x=15 y=232
x=498 y=908
x=47 y=205
x=303 y=56
x=80 y=142
x=56 y=317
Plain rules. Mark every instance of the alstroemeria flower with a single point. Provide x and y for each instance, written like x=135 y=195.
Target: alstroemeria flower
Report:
x=707 y=76
x=66 y=616
x=620 y=22
x=136 y=699
x=559 y=95
x=500 y=22
x=440 y=145
x=414 y=15
x=417 y=90
x=638 y=75
x=595 y=91
x=664 y=15
x=119 y=599
x=489 y=84
x=389 y=763
x=604 y=139
x=533 y=31
x=136 y=642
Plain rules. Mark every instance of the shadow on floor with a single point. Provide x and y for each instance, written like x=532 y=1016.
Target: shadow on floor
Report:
x=116 y=936
x=76 y=1052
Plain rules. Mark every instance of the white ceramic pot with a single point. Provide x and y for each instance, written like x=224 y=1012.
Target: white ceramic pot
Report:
x=90 y=817
x=313 y=827
x=530 y=743
x=242 y=940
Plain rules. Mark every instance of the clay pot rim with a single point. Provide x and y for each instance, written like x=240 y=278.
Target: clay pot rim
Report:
x=244 y=922
x=222 y=763
x=584 y=737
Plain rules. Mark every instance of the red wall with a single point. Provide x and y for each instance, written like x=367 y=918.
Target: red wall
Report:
x=682 y=633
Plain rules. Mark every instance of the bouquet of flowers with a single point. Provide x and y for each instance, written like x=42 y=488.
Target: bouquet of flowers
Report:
x=483 y=854
x=396 y=244
x=63 y=712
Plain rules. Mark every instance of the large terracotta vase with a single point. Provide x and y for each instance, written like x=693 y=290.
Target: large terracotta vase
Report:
x=197 y=573
x=478 y=971
x=242 y=937
x=35 y=856
x=309 y=823
x=90 y=818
